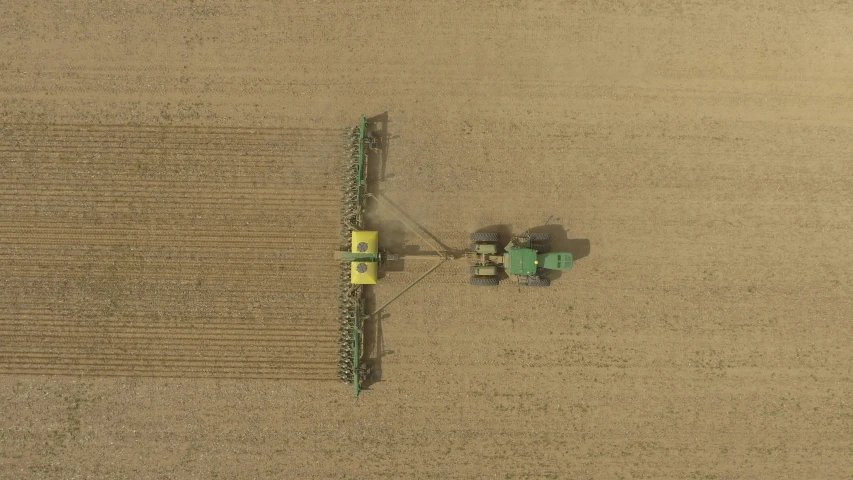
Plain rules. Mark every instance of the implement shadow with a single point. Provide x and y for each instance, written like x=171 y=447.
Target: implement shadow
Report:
x=374 y=341
x=378 y=159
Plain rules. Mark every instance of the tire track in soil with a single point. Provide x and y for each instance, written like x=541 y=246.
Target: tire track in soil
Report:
x=168 y=251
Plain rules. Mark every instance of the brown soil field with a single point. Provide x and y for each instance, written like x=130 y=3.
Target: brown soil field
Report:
x=169 y=201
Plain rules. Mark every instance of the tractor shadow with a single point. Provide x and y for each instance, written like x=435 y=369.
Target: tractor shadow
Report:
x=560 y=242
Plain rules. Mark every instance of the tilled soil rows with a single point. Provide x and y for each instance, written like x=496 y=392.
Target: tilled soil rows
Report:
x=133 y=250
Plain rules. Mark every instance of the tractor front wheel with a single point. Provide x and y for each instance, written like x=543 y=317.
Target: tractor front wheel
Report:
x=484 y=281
x=485 y=237
x=536 y=281
x=540 y=237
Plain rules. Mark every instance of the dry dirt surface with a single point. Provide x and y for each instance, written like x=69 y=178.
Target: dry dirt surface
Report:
x=169 y=199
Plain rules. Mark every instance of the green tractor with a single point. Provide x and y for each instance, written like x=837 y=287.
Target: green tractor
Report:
x=527 y=257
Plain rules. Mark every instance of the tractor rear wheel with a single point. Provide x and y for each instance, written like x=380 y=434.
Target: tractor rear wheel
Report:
x=540 y=237
x=542 y=247
x=485 y=281
x=485 y=237
x=533 y=281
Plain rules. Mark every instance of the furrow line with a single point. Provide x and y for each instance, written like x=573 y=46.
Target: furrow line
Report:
x=162 y=239
x=328 y=348
x=62 y=227
x=151 y=201
x=176 y=333
x=311 y=328
x=45 y=313
x=113 y=127
x=83 y=168
x=17 y=137
x=308 y=328
x=238 y=296
x=12 y=189
x=166 y=142
x=224 y=147
x=274 y=333
x=230 y=297
x=144 y=362
x=27 y=357
x=319 y=277
x=104 y=332
x=18 y=272
x=148 y=278
x=187 y=189
x=314 y=345
x=181 y=260
x=133 y=241
x=317 y=368
x=169 y=152
x=38 y=139
x=185 y=230
x=236 y=184
x=182 y=251
x=26 y=316
x=163 y=359
x=47 y=370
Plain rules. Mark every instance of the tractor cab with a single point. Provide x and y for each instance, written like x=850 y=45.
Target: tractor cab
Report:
x=561 y=261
